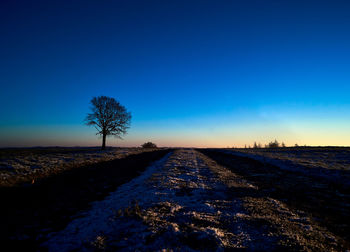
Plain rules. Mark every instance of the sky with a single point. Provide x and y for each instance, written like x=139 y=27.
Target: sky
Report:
x=192 y=73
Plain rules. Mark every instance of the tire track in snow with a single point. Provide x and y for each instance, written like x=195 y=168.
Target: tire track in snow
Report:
x=182 y=202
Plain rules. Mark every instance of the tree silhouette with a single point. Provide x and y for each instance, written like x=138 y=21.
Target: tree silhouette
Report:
x=109 y=117
x=274 y=144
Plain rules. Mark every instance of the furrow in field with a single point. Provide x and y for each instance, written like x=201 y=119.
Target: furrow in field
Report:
x=188 y=202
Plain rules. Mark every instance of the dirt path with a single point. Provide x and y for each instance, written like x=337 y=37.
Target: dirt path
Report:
x=187 y=202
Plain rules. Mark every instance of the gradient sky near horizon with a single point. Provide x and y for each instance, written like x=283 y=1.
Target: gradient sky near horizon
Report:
x=192 y=73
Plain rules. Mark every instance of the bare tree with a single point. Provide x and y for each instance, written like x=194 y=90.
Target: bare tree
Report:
x=109 y=117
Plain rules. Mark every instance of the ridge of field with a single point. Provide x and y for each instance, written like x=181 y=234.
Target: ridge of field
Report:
x=27 y=165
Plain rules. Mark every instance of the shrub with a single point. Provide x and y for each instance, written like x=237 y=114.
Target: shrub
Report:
x=149 y=145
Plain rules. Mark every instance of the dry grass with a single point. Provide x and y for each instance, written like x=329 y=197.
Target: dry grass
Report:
x=320 y=201
x=29 y=165
x=311 y=157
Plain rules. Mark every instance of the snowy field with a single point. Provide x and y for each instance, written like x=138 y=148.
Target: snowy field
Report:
x=332 y=164
x=176 y=199
x=26 y=165
x=328 y=158
x=187 y=202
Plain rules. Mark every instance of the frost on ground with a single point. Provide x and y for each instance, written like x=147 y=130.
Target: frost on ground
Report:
x=25 y=165
x=332 y=164
x=323 y=157
x=187 y=202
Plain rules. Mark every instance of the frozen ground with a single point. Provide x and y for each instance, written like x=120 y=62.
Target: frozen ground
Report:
x=323 y=157
x=332 y=164
x=186 y=201
x=31 y=211
x=25 y=165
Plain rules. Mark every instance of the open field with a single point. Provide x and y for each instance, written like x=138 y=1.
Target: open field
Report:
x=334 y=158
x=183 y=199
x=27 y=165
x=322 y=192
x=30 y=211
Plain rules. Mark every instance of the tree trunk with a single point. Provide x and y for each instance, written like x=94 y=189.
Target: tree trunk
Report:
x=103 y=141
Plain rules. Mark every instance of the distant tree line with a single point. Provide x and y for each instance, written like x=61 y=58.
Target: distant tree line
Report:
x=272 y=144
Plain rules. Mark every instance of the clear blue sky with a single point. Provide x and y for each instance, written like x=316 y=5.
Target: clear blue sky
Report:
x=192 y=73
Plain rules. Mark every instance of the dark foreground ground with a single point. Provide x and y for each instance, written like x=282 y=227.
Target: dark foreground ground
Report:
x=20 y=166
x=29 y=211
x=192 y=200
